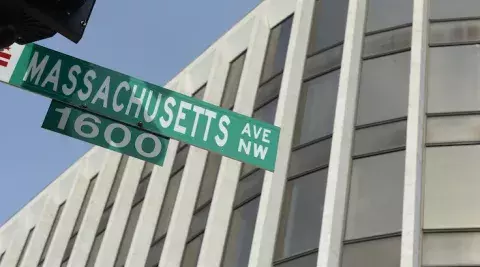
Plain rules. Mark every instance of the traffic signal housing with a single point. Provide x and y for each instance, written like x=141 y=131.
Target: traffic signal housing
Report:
x=27 y=21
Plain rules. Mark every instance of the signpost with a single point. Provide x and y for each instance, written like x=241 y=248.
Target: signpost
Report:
x=104 y=132
x=140 y=104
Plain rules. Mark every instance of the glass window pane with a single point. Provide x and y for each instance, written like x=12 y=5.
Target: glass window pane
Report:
x=302 y=214
x=268 y=91
x=376 y=253
x=25 y=247
x=117 y=180
x=443 y=9
x=376 y=196
x=141 y=190
x=246 y=169
x=277 y=49
x=380 y=138
x=199 y=222
x=451 y=193
x=68 y=249
x=240 y=235
x=200 y=92
x=453 y=129
x=317 y=108
x=384 y=14
x=168 y=205
x=192 y=251
x=389 y=42
x=305 y=261
x=454 y=32
x=249 y=187
x=383 y=93
x=180 y=159
x=128 y=235
x=233 y=81
x=267 y=112
x=52 y=231
x=328 y=26
x=102 y=225
x=154 y=254
x=451 y=249
x=209 y=179
x=92 y=258
x=84 y=205
x=310 y=157
x=147 y=170
x=323 y=63
x=453 y=79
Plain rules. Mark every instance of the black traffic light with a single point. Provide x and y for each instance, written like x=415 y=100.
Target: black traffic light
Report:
x=27 y=21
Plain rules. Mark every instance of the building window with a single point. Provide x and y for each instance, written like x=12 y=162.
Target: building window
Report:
x=240 y=235
x=277 y=49
x=384 y=14
x=375 y=253
x=200 y=93
x=379 y=139
x=132 y=222
x=452 y=79
x=209 y=179
x=25 y=247
x=328 y=26
x=316 y=111
x=233 y=81
x=447 y=9
x=376 y=196
x=192 y=251
x=155 y=253
x=451 y=180
x=310 y=157
x=117 y=181
x=58 y=215
x=79 y=220
x=95 y=249
x=165 y=215
x=383 y=92
x=267 y=112
x=451 y=249
x=242 y=223
x=454 y=32
x=168 y=204
x=302 y=214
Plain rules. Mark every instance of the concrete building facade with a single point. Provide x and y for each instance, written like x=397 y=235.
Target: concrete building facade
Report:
x=379 y=107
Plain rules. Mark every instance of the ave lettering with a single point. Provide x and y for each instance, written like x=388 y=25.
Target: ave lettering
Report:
x=259 y=135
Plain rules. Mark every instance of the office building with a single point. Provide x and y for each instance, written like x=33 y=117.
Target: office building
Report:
x=378 y=165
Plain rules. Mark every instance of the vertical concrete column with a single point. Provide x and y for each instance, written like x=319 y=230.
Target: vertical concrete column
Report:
x=120 y=212
x=152 y=205
x=40 y=235
x=93 y=214
x=67 y=220
x=330 y=245
x=412 y=195
x=192 y=176
x=14 y=249
x=226 y=186
x=274 y=183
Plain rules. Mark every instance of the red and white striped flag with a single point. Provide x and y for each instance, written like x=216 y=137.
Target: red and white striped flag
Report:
x=5 y=56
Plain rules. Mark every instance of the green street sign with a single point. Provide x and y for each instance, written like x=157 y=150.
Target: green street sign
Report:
x=138 y=103
x=104 y=132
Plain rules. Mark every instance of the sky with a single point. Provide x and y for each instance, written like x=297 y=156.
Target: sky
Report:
x=149 y=39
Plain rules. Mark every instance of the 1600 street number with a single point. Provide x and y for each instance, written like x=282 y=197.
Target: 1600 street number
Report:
x=104 y=132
